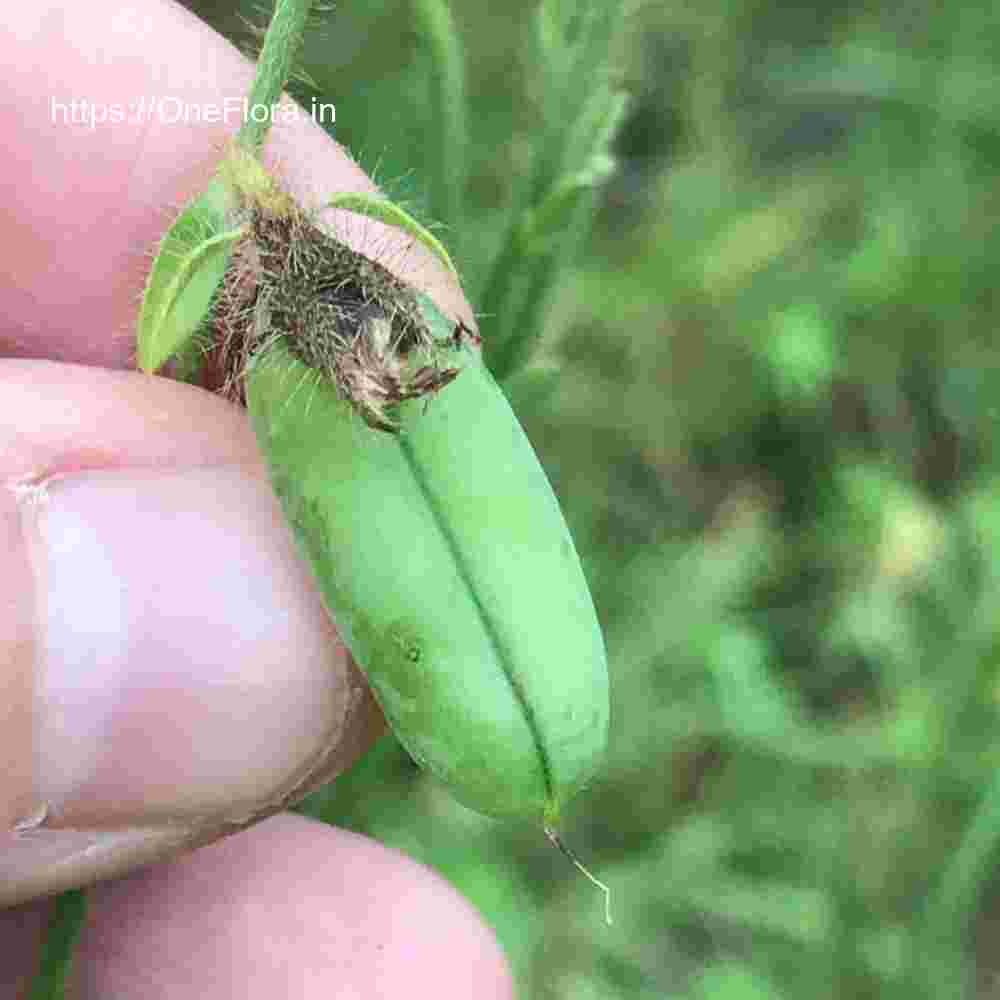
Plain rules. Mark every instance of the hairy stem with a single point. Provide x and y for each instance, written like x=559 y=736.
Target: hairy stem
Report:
x=281 y=44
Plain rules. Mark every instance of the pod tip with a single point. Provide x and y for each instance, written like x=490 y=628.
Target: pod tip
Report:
x=559 y=845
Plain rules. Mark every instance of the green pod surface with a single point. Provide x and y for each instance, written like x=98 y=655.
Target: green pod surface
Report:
x=445 y=561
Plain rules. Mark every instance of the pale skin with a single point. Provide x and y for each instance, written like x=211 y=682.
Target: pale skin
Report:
x=168 y=672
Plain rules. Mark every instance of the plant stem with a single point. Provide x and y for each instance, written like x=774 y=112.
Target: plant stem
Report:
x=281 y=44
x=566 y=58
x=69 y=912
x=447 y=120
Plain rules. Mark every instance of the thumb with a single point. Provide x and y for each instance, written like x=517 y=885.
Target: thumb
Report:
x=169 y=672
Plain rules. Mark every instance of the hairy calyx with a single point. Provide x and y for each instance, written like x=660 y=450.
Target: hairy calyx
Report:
x=341 y=313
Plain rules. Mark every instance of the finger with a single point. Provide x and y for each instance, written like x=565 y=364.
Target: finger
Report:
x=290 y=908
x=169 y=671
x=341 y=917
x=85 y=203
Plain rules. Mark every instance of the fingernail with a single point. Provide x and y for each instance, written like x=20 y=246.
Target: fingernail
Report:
x=185 y=664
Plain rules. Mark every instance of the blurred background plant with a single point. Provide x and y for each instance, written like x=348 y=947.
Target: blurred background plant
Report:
x=746 y=315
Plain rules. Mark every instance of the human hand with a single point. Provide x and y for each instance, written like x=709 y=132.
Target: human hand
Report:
x=168 y=671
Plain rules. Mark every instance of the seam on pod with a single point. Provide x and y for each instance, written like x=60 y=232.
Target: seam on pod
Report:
x=494 y=636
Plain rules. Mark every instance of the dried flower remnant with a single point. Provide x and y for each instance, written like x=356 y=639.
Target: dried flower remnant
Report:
x=341 y=313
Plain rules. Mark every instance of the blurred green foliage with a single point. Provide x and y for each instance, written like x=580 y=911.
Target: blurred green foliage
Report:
x=763 y=379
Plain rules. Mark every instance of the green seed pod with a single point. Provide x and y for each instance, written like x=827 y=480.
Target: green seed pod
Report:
x=443 y=557
x=410 y=487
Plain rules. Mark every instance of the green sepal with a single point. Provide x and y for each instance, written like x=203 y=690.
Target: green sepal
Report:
x=188 y=268
x=378 y=207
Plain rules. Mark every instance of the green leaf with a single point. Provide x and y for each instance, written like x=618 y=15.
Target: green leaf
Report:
x=529 y=389
x=189 y=266
x=541 y=227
